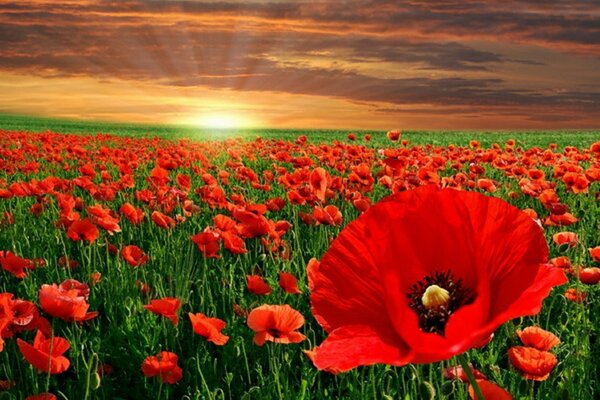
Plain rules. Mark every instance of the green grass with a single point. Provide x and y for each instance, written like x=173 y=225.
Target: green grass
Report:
x=526 y=138
x=124 y=333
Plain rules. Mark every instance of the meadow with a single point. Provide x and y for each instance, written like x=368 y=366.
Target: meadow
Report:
x=136 y=213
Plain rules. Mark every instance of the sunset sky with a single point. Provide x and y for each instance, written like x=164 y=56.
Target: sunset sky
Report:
x=305 y=64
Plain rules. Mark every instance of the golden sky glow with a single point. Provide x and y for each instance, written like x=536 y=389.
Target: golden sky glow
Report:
x=286 y=64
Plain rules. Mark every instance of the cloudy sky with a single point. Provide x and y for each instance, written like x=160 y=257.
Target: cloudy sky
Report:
x=327 y=64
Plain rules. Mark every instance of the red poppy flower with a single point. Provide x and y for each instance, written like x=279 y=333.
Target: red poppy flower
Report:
x=257 y=285
x=164 y=364
x=532 y=363
x=595 y=254
x=162 y=220
x=81 y=289
x=209 y=328
x=275 y=204
x=565 y=238
x=15 y=265
x=41 y=396
x=22 y=315
x=65 y=261
x=133 y=255
x=437 y=278
x=394 y=135
x=134 y=215
x=330 y=215
x=65 y=302
x=289 y=283
x=251 y=224
x=46 y=354
x=83 y=229
x=233 y=243
x=167 y=307
x=575 y=295
x=184 y=181
x=487 y=184
x=275 y=323
x=589 y=276
x=95 y=278
x=318 y=182
x=560 y=220
x=489 y=390
x=563 y=262
x=537 y=337
x=6 y=316
x=208 y=243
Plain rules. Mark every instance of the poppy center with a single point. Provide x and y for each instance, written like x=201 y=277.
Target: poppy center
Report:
x=274 y=332
x=435 y=297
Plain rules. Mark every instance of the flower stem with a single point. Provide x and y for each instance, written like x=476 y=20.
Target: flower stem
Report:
x=464 y=363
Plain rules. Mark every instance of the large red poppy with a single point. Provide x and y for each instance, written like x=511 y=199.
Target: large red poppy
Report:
x=425 y=275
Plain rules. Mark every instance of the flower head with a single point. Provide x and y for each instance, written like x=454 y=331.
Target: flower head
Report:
x=276 y=324
x=164 y=364
x=167 y=307
x=133 y=255
x=534 y=336
x=46 y=355
x=67 y=301
x=209 y=328
x=425 y=275
x=532 y=363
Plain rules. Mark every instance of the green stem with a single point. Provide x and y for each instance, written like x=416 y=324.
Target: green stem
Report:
x=464 y=363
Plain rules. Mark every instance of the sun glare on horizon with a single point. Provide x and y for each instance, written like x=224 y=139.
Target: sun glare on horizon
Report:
x=221 y=121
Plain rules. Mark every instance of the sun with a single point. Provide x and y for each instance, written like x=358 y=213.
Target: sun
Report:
x=220 y=121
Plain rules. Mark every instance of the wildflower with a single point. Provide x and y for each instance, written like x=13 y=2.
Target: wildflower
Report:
x=133 y=255
x=164 y=364
x=83 y=229
x=538 y=338
x=436 y=279
x=257 y=285
x=289 y=283
x=66 y=301
x=532 y=363
x=46 y=355
x=167 y=307
x=209 y=328
x=276 y=323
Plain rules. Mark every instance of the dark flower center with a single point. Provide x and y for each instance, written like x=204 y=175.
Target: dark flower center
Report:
x=435 y=297
x=274 y=332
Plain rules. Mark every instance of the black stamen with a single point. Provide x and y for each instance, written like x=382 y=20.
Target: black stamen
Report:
x=433 y=320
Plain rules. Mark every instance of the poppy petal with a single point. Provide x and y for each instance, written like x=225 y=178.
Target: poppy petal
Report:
x=353 y=345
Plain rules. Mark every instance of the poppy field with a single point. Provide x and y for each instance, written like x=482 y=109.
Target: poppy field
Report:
x=267 y=265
